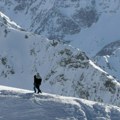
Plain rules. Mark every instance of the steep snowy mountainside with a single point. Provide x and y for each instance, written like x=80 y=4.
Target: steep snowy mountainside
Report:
x=86 y=24
x=53 y=18
x=14 y=102
x=65 y=70
x=83 y=22
x=109 y=58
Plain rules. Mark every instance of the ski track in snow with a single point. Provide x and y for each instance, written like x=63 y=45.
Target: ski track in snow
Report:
x=21 y=105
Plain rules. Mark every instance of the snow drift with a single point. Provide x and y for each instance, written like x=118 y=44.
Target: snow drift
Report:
x=18 y=104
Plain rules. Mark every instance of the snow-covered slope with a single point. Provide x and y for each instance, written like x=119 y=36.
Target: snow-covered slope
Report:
x=18 y=104
x=88 y=24
x=109 y=58
x=84 y=22
x=64 y=69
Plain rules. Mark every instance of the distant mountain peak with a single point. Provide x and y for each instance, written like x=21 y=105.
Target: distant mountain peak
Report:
x=109 y=49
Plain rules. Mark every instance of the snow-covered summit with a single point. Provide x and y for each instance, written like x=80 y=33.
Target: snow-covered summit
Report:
x=18 y=104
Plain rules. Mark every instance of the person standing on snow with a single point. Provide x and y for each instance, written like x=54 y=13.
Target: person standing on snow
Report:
x=37 y=83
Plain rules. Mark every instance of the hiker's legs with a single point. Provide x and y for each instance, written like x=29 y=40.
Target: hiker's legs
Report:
x=39 y=91
x=34 y=89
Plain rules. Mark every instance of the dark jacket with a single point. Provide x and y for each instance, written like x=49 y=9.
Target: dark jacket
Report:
x=37 y=81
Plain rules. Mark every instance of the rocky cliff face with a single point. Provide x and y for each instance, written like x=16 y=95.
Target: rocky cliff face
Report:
x=64 y=69
x=52 y=18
